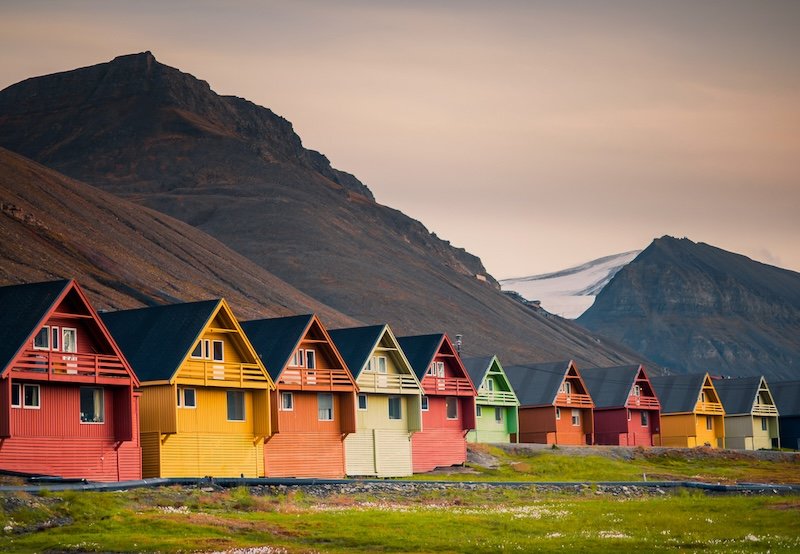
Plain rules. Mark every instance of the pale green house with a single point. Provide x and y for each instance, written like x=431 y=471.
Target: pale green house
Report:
x=496 y=407
x=751 y=417
x=388 y=403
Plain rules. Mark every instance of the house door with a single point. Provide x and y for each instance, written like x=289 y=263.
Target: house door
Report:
x=69 y=345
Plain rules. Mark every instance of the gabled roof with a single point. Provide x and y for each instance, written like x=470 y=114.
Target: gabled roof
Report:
x=421 y=350
x=738 y=395
x=356 y=345
x=678 y=393
x=610 y=387
x=478 y=367
x=786 y=395
x=24 y=308
x=275 y=339
x=157 y=340
x=537 y=384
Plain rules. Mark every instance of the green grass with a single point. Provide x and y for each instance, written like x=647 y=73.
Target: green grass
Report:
x=493 y=520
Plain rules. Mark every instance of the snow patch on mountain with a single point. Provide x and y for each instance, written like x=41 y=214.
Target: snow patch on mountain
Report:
x=570 y=292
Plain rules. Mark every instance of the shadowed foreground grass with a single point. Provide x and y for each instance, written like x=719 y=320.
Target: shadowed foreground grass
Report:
x=187 y=520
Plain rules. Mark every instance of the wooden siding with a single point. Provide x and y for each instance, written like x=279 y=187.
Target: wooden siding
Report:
x=159 y=409
x=304 y=417
x=689 y=430
x=438 y=448
x=612 y=427
x=216 y=454
x=539 y=425
x=488 y=429
x=151 y=454
x=305 y=454
x=744 y=432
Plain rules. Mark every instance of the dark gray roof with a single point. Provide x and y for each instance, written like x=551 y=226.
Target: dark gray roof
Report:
x=275 y=339
x=737 y=395
x=420 y=351
x=537 y=384
x=477 y=368
x=24 y=308
x=356 y=345
x=610 y=387
x=678 y=393
x=786 y=395
x=156 y=340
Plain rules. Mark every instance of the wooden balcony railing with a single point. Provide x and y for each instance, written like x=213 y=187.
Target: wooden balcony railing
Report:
x=764 y=409
x=315 y=379
x=709 y=408
x=211 y=373
x=447 y=385
x=387 y=382
x=65 y=366
x=643 y=402
x=564 y=399
x=496 y=397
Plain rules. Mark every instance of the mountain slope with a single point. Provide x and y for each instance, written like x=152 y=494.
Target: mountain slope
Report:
x=164 y=139
x=569 y=292
x=124 y=255
x=692 y=307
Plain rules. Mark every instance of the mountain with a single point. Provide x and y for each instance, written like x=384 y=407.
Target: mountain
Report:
x=569 y=292
x=163 y=139
x=122 y=254
x=692 y=307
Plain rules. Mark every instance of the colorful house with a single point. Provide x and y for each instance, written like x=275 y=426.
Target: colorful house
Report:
x=496 y=406
x=388 y=403
x=448 y=404
x=205 y=406
x=66 y=391
x=626 y=410
x=315 y=399
x=751 y=418
x=555 y=406
x=691 y=413
x=787 y=401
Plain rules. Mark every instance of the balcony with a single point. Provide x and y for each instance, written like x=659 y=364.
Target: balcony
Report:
x=458 y=386
x=709 y=408
x=496 y=397
x=223 y=374
x=573 y=399
x=650 y=402
x=300 y=378
x=66 y=366
x=765 y=409
x=387 y=382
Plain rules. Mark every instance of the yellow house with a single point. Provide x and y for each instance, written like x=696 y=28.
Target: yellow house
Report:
x=691 y=412
x=205 y=406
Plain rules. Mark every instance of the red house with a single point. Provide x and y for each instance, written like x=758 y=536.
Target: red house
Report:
x=448 y=404
x=626 y=409
x=66 y=391
x=555 y=406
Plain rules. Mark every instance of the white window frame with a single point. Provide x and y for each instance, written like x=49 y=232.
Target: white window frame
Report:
x=311 y=359
x=498 y=414
x=709 y=423
x=566 y=387
x=214 y=344
x=18 y=388
x=424 y=403
x=298 y=358
x=399 y=408
x=440 y=369
x=576 y=417
x=320 y=409
x=182 y=398
x=284 y=397
x=366 y=402
x=55 y=338
x=432 y=369
x=629 y=415
x=558 y=412
x=764 y=424
x=637 y=390
x=102 y=407
x=25 y=405
x=490 y=384
x=45 y=328
x=64 y=332
x=241 y=395
x=478 y=411
x=380 y=367
x=644 y=418
x=447 y=400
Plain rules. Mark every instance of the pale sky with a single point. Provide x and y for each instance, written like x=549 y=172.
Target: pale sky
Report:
x=537 y=135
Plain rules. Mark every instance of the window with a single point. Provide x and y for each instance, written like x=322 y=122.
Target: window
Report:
x=55 y=336
x=709 y=423
x=42 y=339
x=235 y=405
x=92 y=405
x=187 y=398
x=478 y=411
x=362 y=401
x=629 y=415
x=702 y=397
x=498 y=414
x=645 y=421
x=432 y=369
x=395 y=408
x=567 y=387
x=287 y=402
x=576 y=417
x=451 y=403
x=440 y=369
x=763 y=424
x=69 y=340
x=490 y=385
x=424 y=404
x=198 y=350
x=30 y=394
x=15 y=403
x=311 y=359
x=637 y=390
x=325 y=406
x=380 y=364
x=218 y=351
x=298 y=360
x=558 y=412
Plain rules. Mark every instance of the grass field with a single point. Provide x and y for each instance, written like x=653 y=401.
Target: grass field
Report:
x=492 y=520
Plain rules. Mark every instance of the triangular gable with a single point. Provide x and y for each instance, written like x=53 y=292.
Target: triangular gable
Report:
x=358 y=345
x=26 y=308
x=787 y=398
x=678 y=394
x=739 y=395
x=763 y=387
x=536 y=384
x=481 y=368
x=421 y=350
x=711 y=395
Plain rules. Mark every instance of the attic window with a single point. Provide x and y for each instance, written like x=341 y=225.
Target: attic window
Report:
x=218 y=351
x=311 y=359
x=202 y=351
x=637 y=390
x=42 y=339
x=378 y=364
x=490 y=385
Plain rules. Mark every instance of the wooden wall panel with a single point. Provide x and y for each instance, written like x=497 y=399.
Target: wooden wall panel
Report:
x=158 y=409
x=438 y=448
x=305 y=454
x=211 y=454
x=393 y=453
x=151 y=454
x=59 y=415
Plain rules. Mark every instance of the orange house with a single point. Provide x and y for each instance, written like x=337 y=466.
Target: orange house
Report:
x=555 y=406
x=314 y=406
